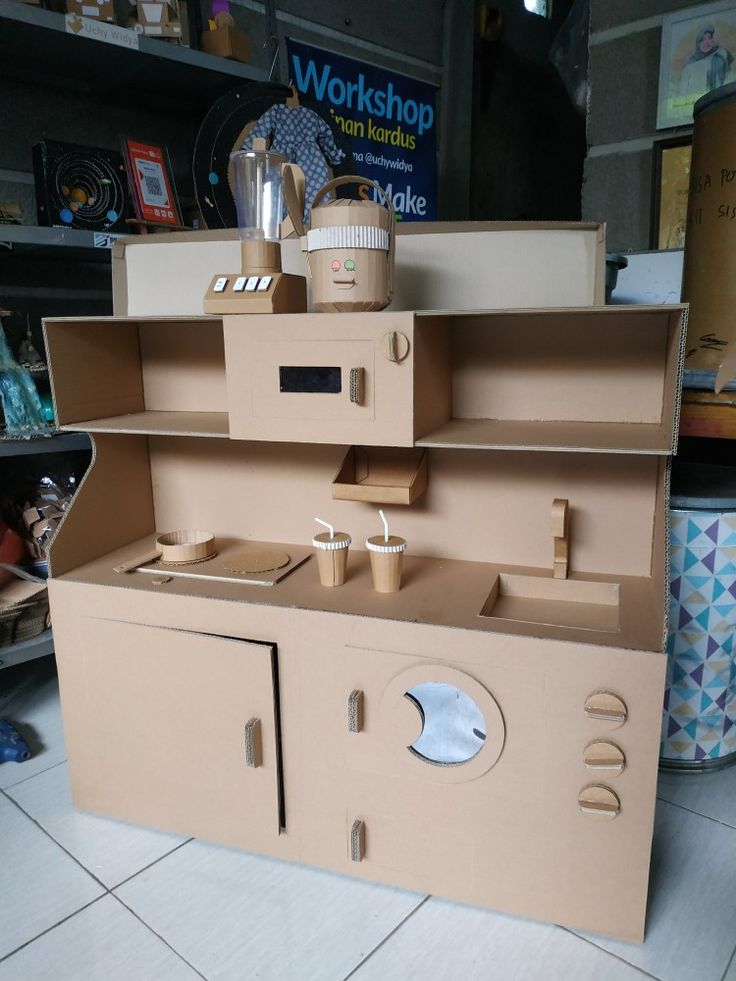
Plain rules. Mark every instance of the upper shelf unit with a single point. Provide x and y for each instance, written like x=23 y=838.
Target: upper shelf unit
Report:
x=156 y=377
x=595 y=379
x=35 y=46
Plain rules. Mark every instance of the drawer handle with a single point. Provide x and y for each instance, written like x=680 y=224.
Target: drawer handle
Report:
x=606 y=707
x=356 y=385
x=604 y=755
x=355 y=710
x=357 y=841
x=253 y=755
x=600 y=801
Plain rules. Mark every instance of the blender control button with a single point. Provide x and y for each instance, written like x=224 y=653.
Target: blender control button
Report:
x=251 y=284
x=598 y=800
x=604 y=755
x=220 y=284
x=604 y=706
x=239 y=284
x=264 y=283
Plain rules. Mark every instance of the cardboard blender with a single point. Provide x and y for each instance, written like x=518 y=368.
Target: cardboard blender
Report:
x=349 y=246
x=472 y=710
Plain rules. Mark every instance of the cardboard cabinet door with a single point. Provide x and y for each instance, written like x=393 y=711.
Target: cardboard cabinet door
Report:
x=172 y=740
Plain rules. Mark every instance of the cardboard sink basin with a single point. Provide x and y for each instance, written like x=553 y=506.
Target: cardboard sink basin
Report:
x=574 y=603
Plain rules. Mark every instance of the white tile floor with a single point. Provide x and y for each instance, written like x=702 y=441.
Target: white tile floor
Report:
x=88 y=899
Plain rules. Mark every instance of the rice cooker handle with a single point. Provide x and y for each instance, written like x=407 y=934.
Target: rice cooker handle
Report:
x=351 y=179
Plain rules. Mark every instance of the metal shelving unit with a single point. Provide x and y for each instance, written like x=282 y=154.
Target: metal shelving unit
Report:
x=68 y=244
x=52 y=442
x=27 y=650
x=35 y=46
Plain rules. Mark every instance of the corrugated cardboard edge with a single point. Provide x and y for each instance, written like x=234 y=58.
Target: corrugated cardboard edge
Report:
x=667 y=571
x=680 y=369
x=119 y=280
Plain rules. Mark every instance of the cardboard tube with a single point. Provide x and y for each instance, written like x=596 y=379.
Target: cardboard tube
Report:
x=387 y=559
x=332 y=557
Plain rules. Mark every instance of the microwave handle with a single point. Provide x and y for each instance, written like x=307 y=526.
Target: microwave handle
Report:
x=357 y=385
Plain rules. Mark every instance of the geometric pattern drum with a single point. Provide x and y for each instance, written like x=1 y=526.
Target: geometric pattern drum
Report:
x=699 y=723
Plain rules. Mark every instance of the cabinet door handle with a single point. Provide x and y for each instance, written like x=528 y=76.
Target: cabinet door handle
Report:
x=355 y=710
x=357 y=841
x=253 y=755
x=357 y=376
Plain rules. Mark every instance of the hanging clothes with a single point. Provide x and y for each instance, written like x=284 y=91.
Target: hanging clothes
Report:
x=303 y=138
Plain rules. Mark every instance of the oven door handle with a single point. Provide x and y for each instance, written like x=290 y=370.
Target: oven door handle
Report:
x=357 y=385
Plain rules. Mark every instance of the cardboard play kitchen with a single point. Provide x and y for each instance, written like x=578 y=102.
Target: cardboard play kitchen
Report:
x=467 y=700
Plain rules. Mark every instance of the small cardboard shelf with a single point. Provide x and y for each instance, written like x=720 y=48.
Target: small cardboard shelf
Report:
x=381 y=475
x=554 y=437
x=573 y=603
x=152 y=423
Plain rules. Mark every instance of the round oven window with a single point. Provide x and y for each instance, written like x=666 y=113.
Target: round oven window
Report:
x=453 y=727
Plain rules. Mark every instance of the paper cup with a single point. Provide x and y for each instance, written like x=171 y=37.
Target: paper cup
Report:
x=386 y=560
x=332 y=557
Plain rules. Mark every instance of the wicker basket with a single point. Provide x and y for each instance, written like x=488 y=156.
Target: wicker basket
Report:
x=24 y=607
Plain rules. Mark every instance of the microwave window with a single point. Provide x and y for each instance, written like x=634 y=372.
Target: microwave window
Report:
x=310 y=378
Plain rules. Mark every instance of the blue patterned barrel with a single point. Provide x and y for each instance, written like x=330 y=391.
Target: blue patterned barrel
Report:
x=699 y=725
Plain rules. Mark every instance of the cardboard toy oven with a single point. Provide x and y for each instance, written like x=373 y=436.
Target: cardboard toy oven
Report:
x=330 y=738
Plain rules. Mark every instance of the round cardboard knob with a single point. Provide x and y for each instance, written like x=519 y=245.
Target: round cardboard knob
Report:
x=599 y=801
x=604 y=706
x=395 y=345
x=604 y=755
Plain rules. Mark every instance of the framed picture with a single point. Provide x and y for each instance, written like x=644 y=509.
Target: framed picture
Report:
x=670 y=185
x=151 y=183
x=697 y=56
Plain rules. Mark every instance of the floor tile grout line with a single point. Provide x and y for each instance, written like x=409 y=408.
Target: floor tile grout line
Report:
x=53 y=927
x=616 y=957
x=723 y=824
x=386 y=938
x=38 y=773
x=150 y=864
x=158 y=935
x=57 y=843
x=81 y=864
x=731 y=960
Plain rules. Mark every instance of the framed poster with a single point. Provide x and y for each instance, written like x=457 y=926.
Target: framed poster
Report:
x=388 y=119
x=151 y=183
x=696 y=57
x=670 y=186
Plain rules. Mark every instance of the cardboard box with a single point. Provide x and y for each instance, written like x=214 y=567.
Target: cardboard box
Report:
x=439 y=266
x=514 y=411
x=381 y=475
x=92 y=9
x=227 y=42
x=157 y=18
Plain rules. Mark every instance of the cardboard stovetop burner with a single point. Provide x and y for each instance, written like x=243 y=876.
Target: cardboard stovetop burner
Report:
x=197 y=555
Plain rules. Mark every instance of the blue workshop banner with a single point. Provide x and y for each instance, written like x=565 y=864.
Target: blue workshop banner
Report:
x=389 y=120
